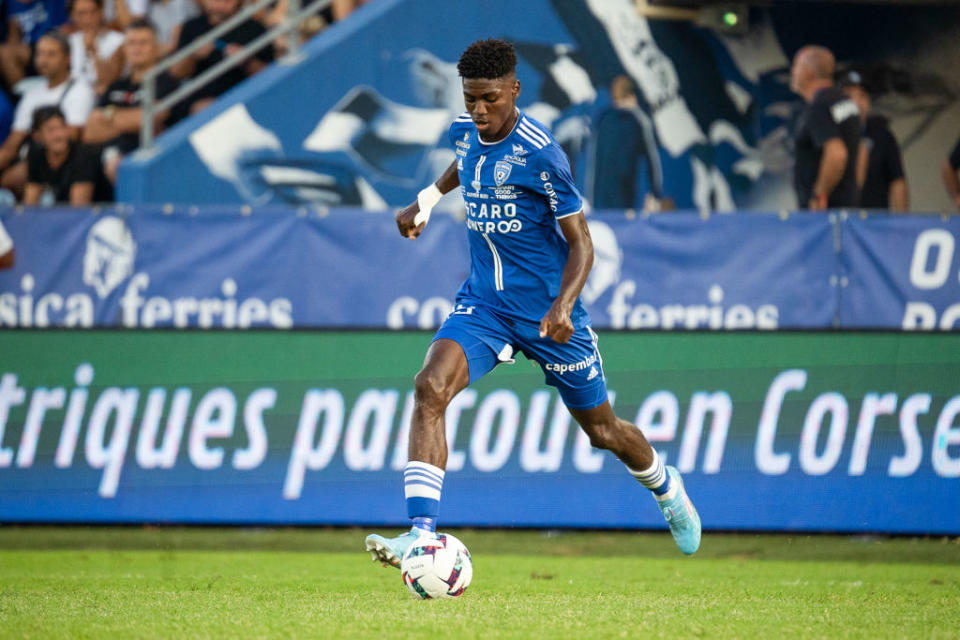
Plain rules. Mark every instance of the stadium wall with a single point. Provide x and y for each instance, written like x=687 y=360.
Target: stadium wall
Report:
x=282 y=267
x=778 y=431
x=361 y=119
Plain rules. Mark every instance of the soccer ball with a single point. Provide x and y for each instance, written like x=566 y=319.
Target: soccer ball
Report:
x=436 y=567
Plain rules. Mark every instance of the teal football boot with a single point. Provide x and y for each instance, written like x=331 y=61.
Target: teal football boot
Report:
x=682 y=517
x=390 y=551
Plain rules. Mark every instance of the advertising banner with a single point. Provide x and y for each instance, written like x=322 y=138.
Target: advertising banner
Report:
x=901 y=271
x=283 y=267
x=780 y=431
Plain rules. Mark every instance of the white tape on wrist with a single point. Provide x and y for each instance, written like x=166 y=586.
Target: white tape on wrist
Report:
x=427 y=199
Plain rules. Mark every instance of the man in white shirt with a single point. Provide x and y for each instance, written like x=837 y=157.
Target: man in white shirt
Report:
x=74 y=97
x=95 y=54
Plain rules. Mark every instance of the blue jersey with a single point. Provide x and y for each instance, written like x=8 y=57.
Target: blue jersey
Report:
x=514 y=192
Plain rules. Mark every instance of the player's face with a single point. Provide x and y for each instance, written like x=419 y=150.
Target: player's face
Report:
x=492 y=104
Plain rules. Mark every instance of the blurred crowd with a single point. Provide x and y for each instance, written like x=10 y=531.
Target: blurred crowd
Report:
x=71 y=74
x=844 y=154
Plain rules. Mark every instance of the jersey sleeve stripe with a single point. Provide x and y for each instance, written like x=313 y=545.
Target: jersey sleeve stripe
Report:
x=567 y=215
x=535 y=131
x=534 y=142
x=543 y=140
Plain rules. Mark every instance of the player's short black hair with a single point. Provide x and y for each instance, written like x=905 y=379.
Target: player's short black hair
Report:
x=488 y=59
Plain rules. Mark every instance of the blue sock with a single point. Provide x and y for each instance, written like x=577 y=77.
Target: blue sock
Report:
x=425 y=524
x=422 y=484
x=655 y=477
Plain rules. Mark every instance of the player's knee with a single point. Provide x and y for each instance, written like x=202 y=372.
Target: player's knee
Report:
x=431 y=390
x=602 y=435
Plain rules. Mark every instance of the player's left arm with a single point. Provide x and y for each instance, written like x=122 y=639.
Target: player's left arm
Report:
x=556 y=323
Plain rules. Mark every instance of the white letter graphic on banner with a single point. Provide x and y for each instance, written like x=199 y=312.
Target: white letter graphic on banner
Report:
x=943 y=242
x=214 y=418
x=768 y=462
x=946 y=435
x=505 y=403
x=836 y=405
x=909 y=462
x=304 y=455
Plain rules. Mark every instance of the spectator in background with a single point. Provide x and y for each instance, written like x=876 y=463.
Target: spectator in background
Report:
x=827 y=139
x=6 y=249
x=27 y=22
x=308 y=27
x=624 y=136
x=96 y=56
x=167 y=16
x=68 y=170
x=950 y=168
x=342 y=8
x=74 y=97
x=216 y=12
x=119 y=13
x=6 y=116
x=116 y=121
x=880 y=165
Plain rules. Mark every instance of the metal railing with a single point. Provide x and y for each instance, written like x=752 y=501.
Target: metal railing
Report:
x=290 y=26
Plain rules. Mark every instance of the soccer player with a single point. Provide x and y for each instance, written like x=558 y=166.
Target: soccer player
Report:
x=530 y=254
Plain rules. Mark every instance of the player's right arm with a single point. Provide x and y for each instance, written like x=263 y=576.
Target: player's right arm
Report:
x=409 y=221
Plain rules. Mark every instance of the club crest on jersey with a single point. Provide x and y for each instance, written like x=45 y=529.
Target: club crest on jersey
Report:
x=501 y=171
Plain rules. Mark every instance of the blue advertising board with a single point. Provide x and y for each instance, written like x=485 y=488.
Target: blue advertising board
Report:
x=283 y=268
x=772 y=430
x=901 y=271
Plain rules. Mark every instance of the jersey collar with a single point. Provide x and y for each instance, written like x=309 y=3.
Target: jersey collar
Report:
x=515 y=125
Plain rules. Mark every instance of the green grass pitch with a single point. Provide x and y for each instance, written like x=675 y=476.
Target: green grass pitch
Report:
x=318 y=583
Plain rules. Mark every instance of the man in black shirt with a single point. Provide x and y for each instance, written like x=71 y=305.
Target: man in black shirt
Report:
x=70 y=171
x=827 y=139
x=216 y=12
x=880 y=166
x=950 y=167
x=115 y=123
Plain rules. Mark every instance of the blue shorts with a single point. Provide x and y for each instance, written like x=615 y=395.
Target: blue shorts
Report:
x=487 y=339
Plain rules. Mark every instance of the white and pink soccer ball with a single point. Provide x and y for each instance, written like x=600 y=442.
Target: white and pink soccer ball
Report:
x=436 y=567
